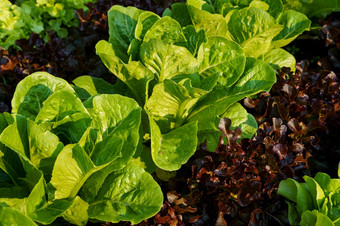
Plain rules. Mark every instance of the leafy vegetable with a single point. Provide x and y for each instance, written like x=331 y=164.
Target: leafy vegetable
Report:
x=317 y=200
x=191 y=65
x=313 y=8
x=60 y=145
x=19 y=20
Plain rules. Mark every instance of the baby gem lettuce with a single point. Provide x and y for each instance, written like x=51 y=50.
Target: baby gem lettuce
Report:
x=61 y=157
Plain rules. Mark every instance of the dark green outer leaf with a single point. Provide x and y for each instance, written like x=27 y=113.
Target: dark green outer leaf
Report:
x=122 y=23
x=194 y=38
x=180 y=14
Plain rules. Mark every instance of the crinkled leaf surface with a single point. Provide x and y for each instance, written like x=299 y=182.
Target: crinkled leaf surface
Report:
x=170 y=103
x=130 y=194
x=66 y=115
x=60 y=105
x=167 y=61
x=167 y=30
x=117 y=118
x=219 y=55
x=258 y=76
x=253 y=29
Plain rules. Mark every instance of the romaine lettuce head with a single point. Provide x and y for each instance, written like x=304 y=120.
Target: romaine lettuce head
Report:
x=72 y=159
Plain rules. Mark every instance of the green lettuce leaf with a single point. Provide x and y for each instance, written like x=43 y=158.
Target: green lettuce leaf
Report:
x=93 y=85
x=10 y=216
x=169 y=151
x=31 y=142
x=122 y=24
x=315 y=218
x=71 y=169
x=212 y=24
x=258 y=76
x=31 y=92
x=117 y=119
x=180 y=14
x=145 y=21
x=194 y=38
x=298 y=193
x=278 y=58
x=65 y=115
x=77 y=213
x=219 y=55
x=241 y=118
x=167 y=30
x=254 y=29
x=294 y=23
x=273 y=7
x=40 y=210
x=317 y=193
x=170 y=103
x=313 y=8
x=141 y=199
x=133 y=74
x=167 y=61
